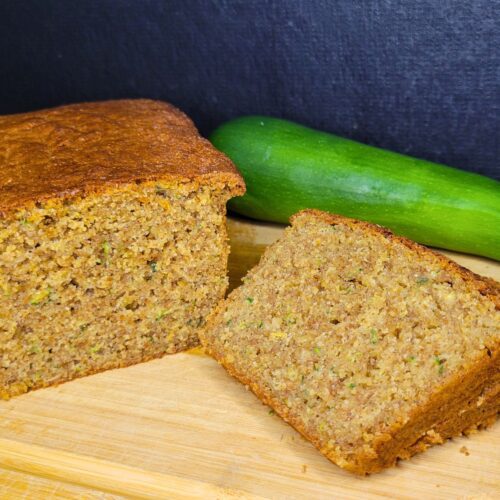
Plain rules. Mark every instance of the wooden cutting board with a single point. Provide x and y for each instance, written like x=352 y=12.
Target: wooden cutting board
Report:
x=181 y=427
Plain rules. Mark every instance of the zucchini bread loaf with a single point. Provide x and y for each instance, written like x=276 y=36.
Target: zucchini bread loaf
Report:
x=372 y=346
x=112 y=238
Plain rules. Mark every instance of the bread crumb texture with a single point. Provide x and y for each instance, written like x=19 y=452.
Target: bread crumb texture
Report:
x=98 y=282
x=370 y=345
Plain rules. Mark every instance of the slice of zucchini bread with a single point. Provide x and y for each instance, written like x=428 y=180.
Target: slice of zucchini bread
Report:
x=113 y=245
x=372 y=346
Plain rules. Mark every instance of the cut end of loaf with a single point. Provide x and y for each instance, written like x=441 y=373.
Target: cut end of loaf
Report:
x=106 y=281
x=370 y=345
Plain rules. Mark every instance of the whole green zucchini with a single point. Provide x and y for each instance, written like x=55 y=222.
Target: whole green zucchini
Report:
x=288 y=167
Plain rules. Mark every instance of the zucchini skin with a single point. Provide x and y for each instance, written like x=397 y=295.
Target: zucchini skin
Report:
x=288 y=167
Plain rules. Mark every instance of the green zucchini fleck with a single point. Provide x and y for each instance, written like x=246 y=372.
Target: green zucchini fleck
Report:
x=106 y=248
x=162 y=314
x=40 y=296
x=440 y=364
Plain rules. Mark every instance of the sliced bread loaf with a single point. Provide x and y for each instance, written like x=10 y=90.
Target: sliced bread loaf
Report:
x=113 y=245
x=372 y=346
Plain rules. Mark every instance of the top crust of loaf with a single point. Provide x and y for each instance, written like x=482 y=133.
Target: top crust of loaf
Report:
x=86 y=148
x=485 y=286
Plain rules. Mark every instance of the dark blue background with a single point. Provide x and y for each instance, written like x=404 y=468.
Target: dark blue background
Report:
x=419 y=77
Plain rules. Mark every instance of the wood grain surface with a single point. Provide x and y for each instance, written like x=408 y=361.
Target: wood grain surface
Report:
x=180 y=427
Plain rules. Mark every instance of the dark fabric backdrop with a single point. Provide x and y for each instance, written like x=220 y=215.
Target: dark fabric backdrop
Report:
x=419 y=77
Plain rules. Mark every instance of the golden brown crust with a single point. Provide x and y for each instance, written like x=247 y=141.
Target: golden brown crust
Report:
x=469 y=400
x=85 y=148
x=485 y=286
